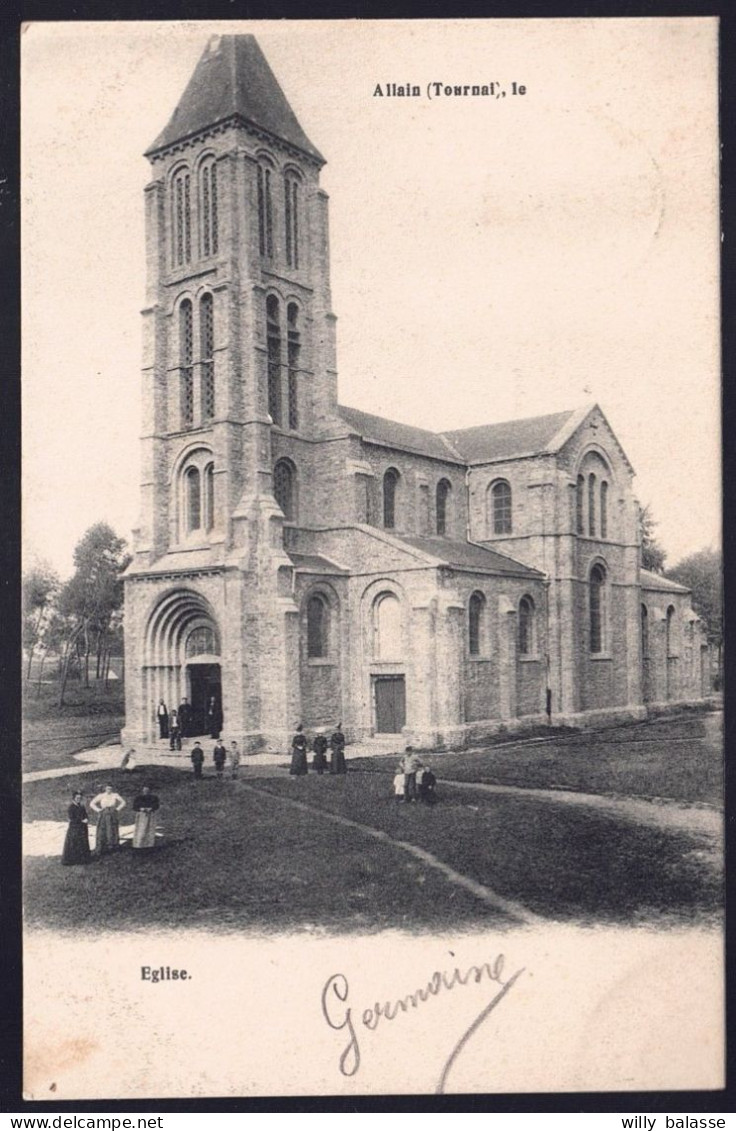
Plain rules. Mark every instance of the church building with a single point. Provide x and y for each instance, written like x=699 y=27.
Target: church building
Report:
x=301 y=561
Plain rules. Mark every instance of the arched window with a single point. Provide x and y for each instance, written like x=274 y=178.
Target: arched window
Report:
x=207 y=355
x=604 y=509
x=390 y=489
x=591 y=506
x=501 y=507
x=265 y=211
x=209 y=496
x=186 y=358
x=597 y=609
x=284 y=488
x=644 y=632
x=194 y=499
x=670 y=633
x=387 y=627
x=196 y=494
x=293 y=346
x=476 y=608
x=273 y=337
x=443 y=494
x=317 y=627
x=208 y=208
x=580 y=505
x=201 y=641
x=181 y=219
x=291 y=218
x=527 y=642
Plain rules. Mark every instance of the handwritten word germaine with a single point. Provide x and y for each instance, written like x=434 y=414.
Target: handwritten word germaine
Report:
x=338 y=1013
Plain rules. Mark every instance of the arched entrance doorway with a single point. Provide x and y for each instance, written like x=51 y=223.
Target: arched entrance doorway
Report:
x=182 y=659
x=204 y=680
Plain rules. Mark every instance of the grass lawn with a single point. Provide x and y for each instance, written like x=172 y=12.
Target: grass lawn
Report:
x=679 y=759
x=239 y=860
x=235 y=861
x=51 y=734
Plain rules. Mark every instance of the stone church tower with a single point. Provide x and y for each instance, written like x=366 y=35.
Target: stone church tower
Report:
x=301 y=560
x=238 y=338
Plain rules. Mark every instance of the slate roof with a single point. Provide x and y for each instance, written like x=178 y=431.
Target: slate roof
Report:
x=651 y=580
x=470 y=556
x=508 y=440
x=314 y=563
x=233 y=79
x=395 y=435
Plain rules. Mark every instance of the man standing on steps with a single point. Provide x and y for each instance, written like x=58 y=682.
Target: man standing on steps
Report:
x=162 y=714
x=197 y=756
x=185 y=717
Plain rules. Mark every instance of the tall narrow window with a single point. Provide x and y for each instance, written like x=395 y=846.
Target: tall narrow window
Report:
x=181 y=220
x=390 y=487
x=207 y=351
x=591 y=506
x=597 y=609
x=293 y=347
x=273 y=335
x=209 y=496
x=443 y=495
x=670 y=635
x=265 y=212
x=284 y=488
x=261 y=211
x=526 y=626
x=476 y=606
x=317 y=615
x=387 y=627
x=186 y=369
x=291 y=218
x=194 y=502
x=208 y=208
x=644 y=632
x=501 y=501
x=580 y=505
x=604 y=509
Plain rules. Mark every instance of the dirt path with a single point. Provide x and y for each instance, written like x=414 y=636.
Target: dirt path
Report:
x=663 y=815
x=512 y=909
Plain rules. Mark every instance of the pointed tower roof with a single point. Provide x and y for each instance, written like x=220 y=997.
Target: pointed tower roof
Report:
x=233 y=80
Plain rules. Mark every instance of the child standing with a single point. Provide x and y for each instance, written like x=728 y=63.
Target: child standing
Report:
x=399 y=784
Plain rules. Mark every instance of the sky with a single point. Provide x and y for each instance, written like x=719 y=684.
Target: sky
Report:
x=491 y=258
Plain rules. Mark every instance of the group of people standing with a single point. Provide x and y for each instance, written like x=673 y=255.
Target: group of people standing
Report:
x=179 y=722
x=108 y=805
x=320 y=744
x=220 y=757
x=414 y=781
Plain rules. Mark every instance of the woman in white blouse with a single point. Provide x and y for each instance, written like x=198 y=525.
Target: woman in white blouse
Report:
x=107 y=805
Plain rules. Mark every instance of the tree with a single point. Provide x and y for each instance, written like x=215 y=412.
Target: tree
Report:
x=702 y=573
x=91 y=598
x=40 y=586
x=653 y=556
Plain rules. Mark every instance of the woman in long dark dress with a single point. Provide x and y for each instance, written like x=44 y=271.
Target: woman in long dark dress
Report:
x=76 y=842
x=298 y=753
x=337 y=748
